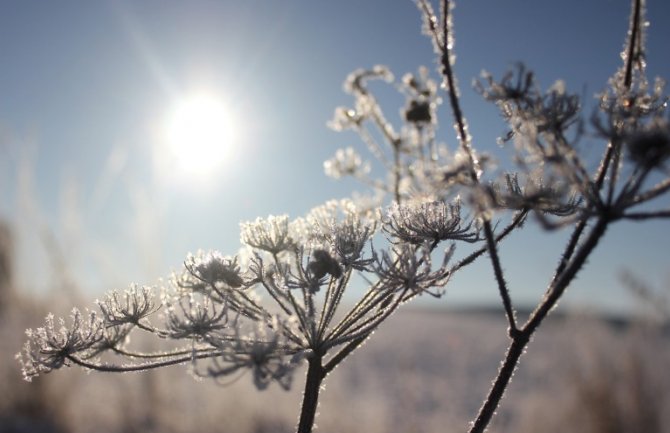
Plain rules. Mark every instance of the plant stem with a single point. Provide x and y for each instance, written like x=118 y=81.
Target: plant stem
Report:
x=500 y=278
x=334 y=361
x=561 y=283
x=633 y=51
x=310 y=400
x=448 y=75
x=505 y=373
x=396 y=171
x=522 y=337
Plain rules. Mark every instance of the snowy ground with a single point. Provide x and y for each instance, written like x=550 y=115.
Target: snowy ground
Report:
x=423 y=371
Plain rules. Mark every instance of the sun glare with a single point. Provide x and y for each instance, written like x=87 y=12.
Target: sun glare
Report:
x=198 y=135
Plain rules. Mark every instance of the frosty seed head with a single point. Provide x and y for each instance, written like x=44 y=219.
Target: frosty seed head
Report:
x=215 y=269
x=650 y=147
x=271 y=234
x=323 y=263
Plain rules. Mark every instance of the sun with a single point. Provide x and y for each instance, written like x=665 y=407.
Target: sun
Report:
x=199 y=135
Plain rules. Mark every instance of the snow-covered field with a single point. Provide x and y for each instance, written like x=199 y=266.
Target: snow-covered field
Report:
x=423 y=371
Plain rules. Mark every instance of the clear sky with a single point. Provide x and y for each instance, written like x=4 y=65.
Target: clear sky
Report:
x=86 y=88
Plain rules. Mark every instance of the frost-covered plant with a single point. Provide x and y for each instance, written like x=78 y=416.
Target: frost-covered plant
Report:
x=281 y=302
x=552 y=181
x=265 y=311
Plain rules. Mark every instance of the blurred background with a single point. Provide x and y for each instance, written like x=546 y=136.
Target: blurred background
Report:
x=109 y=175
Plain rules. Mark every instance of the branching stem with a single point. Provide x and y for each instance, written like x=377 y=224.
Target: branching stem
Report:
x=520 y=339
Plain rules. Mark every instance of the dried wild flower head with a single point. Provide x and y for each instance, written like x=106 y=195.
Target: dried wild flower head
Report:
x=649 y=147
x=422 y=98
x=212 y=271
x=263 y=352
x=356 y=81
x=271 y=234
x=346 y=162
x=408 y=269
x=128 y=307
x=50 y=347
x=195 y=319
x=528 y=111
x=553 y=199
x=431 y=222
x=323 y=263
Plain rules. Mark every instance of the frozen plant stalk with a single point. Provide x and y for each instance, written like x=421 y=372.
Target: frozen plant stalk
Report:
x=553 y=182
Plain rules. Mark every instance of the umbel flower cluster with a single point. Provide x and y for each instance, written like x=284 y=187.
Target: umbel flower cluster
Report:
x=312 y=290
x=268 y=308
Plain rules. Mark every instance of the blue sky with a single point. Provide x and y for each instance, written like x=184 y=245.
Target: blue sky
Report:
x=85 y=85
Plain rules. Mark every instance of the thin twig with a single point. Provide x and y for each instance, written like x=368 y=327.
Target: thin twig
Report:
x=656 y=191
x=518 y=220
x=500 y=278
x=570 y=248
x=448 y=75
x=108 y=368
x=633 y=44
x=640 y=216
